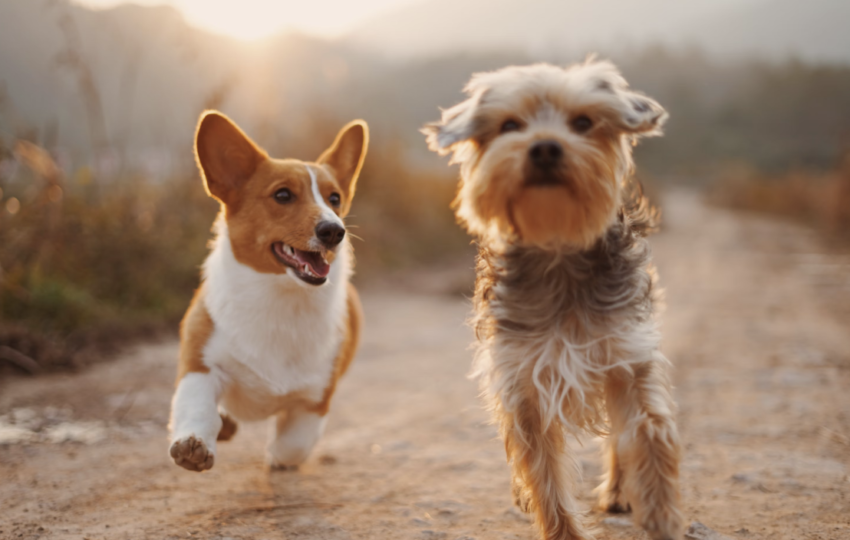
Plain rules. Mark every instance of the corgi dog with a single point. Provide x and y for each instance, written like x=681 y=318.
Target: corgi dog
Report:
x=275 y=322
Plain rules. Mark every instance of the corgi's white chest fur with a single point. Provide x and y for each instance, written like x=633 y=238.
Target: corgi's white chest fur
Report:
x=274 y=335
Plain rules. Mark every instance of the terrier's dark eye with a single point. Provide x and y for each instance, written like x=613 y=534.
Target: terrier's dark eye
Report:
x=283 y=196
x=582 y=124
x=510 y=125
x=334 y=199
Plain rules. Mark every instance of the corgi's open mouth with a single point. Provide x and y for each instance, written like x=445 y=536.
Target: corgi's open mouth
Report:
x=310 y=266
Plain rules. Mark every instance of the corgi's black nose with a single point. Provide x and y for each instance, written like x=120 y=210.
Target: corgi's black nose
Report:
x=330 y=234
x=546 y=154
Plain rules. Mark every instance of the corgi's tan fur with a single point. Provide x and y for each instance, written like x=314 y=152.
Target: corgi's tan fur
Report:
x=275 y=322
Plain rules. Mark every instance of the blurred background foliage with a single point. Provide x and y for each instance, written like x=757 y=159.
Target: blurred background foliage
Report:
x=104 y=221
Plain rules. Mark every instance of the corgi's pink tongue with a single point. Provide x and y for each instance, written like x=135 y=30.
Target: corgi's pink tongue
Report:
x=314 y=260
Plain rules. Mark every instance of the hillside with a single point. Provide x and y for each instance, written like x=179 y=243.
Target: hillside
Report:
x=772 y=29
x=127 y=84
x=135 y=78
x=814 y=31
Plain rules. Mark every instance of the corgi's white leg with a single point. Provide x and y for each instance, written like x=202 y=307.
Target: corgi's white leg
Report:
x=195 y=421
x=295 y=434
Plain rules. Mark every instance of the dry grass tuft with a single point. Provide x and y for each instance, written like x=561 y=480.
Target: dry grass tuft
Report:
x=818 y=199
x=87 y=266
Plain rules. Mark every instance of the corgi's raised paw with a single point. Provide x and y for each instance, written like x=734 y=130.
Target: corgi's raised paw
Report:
x=192 y=454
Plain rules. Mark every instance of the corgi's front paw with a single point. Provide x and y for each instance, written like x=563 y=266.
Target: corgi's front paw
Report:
x=192 y=453
x=286 y=459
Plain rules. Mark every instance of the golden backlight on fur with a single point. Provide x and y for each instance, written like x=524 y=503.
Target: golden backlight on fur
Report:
x=496 y=193
x=276 y=321
x=502 y=194
x=240 y=175
x=565 y=287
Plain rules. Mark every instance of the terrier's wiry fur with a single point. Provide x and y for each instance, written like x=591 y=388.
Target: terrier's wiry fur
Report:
x=565 y=294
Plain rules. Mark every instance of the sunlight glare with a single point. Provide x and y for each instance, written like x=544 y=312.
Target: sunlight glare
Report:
x=248 y=20
x=257 y=19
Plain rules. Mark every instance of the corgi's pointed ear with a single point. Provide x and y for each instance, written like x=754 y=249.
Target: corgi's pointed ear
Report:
x=226 y=156
x=346 y=156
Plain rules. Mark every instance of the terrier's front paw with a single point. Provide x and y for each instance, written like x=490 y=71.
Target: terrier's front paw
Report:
x=663 y=522
x=611 y=501
x=617 y=508
x=192 y=453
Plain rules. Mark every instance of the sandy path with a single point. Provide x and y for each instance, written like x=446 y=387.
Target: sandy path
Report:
x=757 y=324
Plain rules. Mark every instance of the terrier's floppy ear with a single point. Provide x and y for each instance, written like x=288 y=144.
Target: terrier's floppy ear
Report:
x=457 y=124
x=627 y=110
x=638 y=114
x=346 y=156
x=226 y=156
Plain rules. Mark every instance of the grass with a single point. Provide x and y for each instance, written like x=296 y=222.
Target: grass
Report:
x=819 y=199
x=96 y=263
x=87 y=266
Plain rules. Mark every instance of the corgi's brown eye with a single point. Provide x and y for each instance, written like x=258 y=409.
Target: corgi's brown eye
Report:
x=582 y=124
x=283 y=196
x=334 y=200
x=510 y=125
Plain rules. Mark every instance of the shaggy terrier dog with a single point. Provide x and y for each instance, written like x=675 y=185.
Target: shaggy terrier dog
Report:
x=565 y=297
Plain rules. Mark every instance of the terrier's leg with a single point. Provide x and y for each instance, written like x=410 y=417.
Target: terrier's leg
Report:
x=610 y=491
x=296 y=433
x=647 y=448
x=195 y=422
x=541 y=480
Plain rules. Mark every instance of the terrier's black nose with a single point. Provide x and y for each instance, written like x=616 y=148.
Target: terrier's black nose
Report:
x=546 y=154
x=329 y=233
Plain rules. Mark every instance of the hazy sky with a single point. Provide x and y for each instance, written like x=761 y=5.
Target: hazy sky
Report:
x=252 y=19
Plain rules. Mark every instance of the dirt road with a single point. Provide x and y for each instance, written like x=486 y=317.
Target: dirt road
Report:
x=758 y=325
